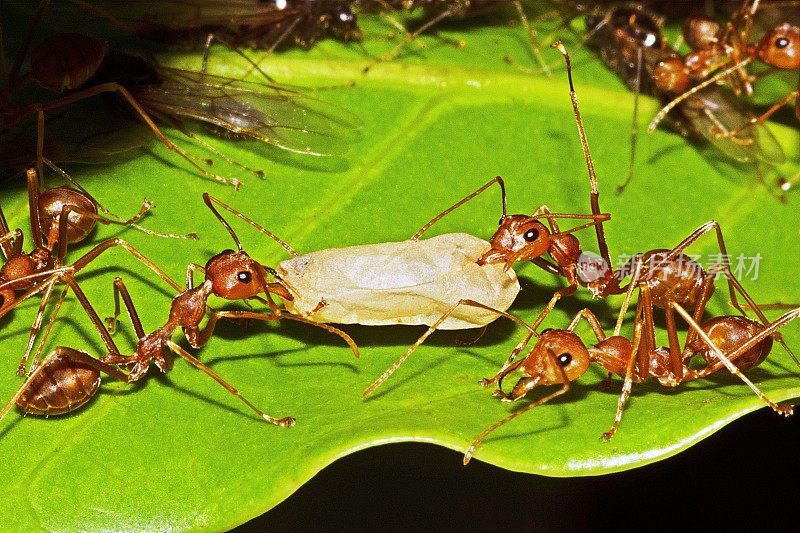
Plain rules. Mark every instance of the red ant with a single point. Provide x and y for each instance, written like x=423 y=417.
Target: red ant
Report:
x=728 y=48
x=67 y=62
x=672 y=276
x=68 y=378
x=734 y=343
x=59 y=216
x=261 y=25
x=630 y=41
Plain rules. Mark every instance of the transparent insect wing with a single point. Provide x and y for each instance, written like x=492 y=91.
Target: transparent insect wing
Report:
x=193 y=14
x=717 y=106
x=770 y=15
x=265 y=112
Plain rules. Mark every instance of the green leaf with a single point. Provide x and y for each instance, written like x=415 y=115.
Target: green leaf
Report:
x=178 y=452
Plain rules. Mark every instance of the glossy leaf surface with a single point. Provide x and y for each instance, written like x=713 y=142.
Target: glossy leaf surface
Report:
x=178 y=452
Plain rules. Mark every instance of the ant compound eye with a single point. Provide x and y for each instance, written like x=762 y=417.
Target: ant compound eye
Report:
x=564 y=359
x=244 y=276
x=531 y=235
x=781 y=42
x=545 y=331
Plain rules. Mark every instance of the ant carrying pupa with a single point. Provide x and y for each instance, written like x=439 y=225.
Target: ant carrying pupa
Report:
x=733 y=343
x=418 y=281
x=68 y=378
x=677 y=277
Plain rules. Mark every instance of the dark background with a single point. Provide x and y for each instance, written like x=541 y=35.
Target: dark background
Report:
x=745 y=476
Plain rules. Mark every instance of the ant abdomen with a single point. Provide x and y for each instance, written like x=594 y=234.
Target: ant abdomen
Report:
x=79 y=225
x=66 y=60
x=728 y=334
x=60 y=385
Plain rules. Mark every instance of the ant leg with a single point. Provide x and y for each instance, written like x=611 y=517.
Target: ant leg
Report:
x=497 y=179
x=37 y=324
x=33 y=176
x=593 y=321
x=483 y=434
x=63 y=223
x=95 y=252
x=327 y=327
x=13 y=73
x=566 y=291
x=284 y=422
x=203 y=336
x=634 y=132
x=530 y=32
x=9 y=241
x=408 y=38
x=87 y=307
x=191 y=158
x=120 y=290
x=724 y=266
x=645 y=312
x=10 y=301
x=755 y=121
x=727 y=362
x=627 y=384
x=632 y=284
x=394 y=366
x=675 y=355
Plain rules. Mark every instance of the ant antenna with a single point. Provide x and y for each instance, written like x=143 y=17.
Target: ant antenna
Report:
x=208 y=199
x=434 y=220
x=595 y=194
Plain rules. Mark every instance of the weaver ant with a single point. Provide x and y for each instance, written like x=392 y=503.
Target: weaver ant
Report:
x=276 y=23
x=267 y=24
x=59 y=216
x=630 y=41
x=672 y=276
x=68 y=62
x=727 y=50
x=732 y=342
x=68 y=378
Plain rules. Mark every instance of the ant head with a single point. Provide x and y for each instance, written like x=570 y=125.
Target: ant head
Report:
x=557 y=353
x=235 y=275
x=519 y=237
x=670 y=75
x=780 y=48
x=701 y=32
x=343 y=24
x=51 y=204
x=631 y=25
